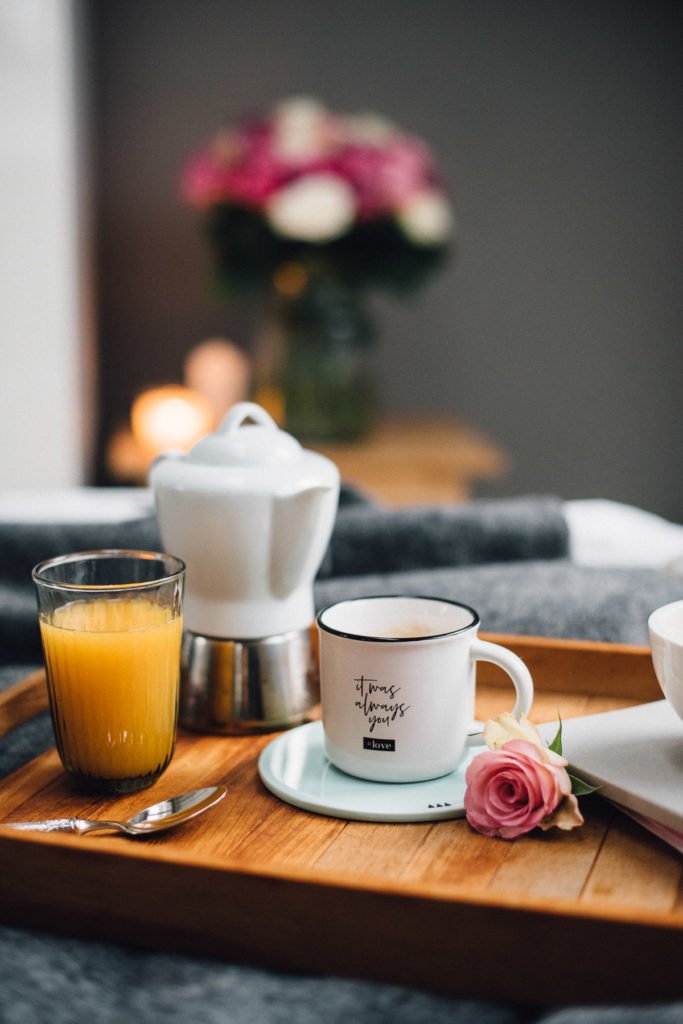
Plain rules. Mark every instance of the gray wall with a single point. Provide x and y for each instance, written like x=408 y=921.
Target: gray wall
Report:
x=558 y=125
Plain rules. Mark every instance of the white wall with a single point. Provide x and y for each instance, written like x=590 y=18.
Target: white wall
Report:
x=46 y=377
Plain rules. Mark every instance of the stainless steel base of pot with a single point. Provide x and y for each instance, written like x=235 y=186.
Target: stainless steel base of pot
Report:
x=245 y=686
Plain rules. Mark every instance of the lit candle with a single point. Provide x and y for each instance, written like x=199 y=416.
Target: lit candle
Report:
x=220 y=371
x=171 y=417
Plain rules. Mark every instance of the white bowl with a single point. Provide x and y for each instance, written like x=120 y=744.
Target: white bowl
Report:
x=665 y=626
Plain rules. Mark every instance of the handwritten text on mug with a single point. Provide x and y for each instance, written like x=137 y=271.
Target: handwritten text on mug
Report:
x=380 y=711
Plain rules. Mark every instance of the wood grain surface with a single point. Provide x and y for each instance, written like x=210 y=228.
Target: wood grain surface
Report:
x=591 y=915
x=22 y=701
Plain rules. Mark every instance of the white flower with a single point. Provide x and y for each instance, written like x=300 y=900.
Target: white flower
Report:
x=426 y=218
x=302 y=129
x=371 y=129
x=506 y=727
x=498 y=731
x=314 y=208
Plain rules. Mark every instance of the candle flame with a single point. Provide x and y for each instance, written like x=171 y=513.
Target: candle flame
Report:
x=171 y=417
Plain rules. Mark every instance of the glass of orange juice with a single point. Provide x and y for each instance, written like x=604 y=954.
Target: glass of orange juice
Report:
x=111 y=626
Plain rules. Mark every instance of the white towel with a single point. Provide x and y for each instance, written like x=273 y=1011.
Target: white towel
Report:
x=608 y=533
x=76 y=505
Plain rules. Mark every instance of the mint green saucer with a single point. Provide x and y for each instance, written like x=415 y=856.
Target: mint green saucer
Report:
x=295 y=769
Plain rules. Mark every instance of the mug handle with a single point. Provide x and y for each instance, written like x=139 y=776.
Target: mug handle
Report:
x=482 y=650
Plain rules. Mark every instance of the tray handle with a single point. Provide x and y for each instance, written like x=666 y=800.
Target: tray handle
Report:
x=22 y=701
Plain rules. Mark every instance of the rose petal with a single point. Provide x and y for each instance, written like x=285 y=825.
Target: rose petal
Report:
x=556 y=759
x=566 y=816
x=506 y=727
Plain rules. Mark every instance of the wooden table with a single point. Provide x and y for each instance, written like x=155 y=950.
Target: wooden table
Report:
x=594 y=915
x=405 y=461
x=419 y=461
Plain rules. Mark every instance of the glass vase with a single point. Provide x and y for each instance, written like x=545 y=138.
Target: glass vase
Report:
x=314 y=360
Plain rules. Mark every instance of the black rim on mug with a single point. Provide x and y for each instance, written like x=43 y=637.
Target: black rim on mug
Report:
x=349 y=635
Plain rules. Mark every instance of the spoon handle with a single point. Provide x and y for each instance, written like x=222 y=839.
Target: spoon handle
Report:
x=78 y=825
x=51 y=825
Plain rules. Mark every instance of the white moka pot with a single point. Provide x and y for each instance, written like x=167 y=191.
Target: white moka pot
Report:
x=250 y=512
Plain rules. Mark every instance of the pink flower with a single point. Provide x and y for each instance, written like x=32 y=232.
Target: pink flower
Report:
x=253 y=181
x=389 y=175
x=384 y=177
x=238 y=167
x=204 y=180
x=359 y=165
x=406 y=168
x=519 y=785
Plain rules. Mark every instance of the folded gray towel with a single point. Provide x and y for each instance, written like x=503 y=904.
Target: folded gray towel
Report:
x=23 y=545
x=548 y=598
x=367 y=539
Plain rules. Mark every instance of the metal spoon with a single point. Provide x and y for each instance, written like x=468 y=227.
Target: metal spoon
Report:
x=166 y=814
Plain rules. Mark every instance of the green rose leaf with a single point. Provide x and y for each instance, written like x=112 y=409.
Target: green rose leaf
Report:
x=579 y=787
x=556 y=745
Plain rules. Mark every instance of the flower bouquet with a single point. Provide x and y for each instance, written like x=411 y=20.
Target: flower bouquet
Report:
x=312 y=208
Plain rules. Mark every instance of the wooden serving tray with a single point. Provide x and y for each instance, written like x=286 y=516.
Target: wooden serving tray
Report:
x=589 y=916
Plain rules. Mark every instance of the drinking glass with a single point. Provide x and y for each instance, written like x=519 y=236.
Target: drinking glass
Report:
x=111 y=628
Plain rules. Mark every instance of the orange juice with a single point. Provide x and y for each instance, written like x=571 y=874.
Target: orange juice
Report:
x=113 y=667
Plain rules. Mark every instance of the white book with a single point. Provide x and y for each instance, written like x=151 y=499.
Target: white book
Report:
x=669 y=835
x=635 y=757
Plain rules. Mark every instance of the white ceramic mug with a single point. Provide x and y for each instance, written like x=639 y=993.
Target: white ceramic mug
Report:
x=665 y=626
x=398 y=683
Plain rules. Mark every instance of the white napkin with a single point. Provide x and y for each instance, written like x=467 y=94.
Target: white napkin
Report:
x=76 y=505
x=608 y=533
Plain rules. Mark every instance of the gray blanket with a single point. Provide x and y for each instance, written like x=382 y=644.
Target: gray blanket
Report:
x=366 y=539
x=507 y=558
x=510 y=560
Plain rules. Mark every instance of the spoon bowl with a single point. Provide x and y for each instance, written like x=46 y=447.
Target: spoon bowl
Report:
x=157 y=818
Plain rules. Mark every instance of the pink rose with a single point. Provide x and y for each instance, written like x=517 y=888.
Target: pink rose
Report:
x=383 y=177
x=253 y=181
x=204 y=180
x=238 y=167
x=360 y=166
x=517 y=787
x=406 y=168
